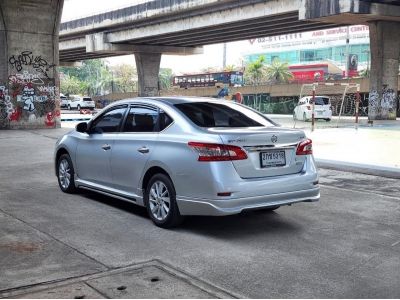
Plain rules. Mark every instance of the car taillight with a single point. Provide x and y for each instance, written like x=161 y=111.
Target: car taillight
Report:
x=217 y=152
x=304 y=147
x=308 y=107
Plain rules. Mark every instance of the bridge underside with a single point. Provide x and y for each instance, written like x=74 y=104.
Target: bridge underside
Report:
x=240 y=30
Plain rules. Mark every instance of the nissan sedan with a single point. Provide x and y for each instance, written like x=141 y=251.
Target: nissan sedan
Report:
x=188 y=156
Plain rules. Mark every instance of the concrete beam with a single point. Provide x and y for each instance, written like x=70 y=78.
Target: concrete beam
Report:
x=71 y=64
x=345 y=12
x=215 y=18
x=148 y=67
x=98 y=43
x=385 y=54
x=29 y=59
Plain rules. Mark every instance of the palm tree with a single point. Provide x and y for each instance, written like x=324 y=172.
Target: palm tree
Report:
x=255 y=71
x=230 y=68
x=279 y=72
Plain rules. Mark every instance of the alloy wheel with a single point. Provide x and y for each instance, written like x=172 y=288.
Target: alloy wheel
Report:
x=159 y=200
x=64 y=173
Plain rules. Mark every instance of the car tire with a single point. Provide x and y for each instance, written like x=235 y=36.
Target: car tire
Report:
x=294 y=116
x=69 y=107
x=79 y=107
x=328 y=120
x=160 y=201
x=304 y=117
x=65 y=174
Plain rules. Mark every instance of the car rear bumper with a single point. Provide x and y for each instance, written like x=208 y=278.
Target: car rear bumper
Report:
x=235 y=206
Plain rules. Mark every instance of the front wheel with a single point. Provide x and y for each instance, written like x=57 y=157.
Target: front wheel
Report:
x=160 y=201
x=65 y=174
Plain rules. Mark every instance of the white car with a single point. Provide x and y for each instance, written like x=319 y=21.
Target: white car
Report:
x=323 y=108
x=77 y=102
x=64 y=101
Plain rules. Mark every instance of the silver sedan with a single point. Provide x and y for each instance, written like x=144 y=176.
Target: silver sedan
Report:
x=188 y=156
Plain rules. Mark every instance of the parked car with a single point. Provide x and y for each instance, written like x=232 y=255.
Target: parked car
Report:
x=323 y=108
x=63 y=101
x=188 y=156
x=77 y=102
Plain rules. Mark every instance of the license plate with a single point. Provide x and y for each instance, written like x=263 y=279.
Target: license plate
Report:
x=272 y=159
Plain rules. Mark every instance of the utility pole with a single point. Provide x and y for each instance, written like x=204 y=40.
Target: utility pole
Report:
x=347 y=51
x=224 y=57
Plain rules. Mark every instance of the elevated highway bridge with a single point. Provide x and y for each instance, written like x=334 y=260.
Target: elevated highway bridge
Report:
x=33 y=42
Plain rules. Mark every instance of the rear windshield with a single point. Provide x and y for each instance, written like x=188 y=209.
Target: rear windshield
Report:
x=205 y=114
x=320 y=101
x=87 y=99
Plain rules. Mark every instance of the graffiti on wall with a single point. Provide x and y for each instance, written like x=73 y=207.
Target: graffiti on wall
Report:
x=26 y=58
x=30 y=95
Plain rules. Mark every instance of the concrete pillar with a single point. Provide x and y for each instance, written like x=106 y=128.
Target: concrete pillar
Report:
x=148 y=67
x=29 y=81
x=385 y=53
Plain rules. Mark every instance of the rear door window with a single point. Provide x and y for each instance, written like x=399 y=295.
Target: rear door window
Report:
x=141 y=119
x=205 y=114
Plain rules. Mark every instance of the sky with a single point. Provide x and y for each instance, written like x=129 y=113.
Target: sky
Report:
x=212 y=56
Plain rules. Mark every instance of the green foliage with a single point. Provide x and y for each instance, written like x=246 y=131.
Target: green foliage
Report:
x=94 y=75
x=364 y=73
x=71 y=85
x=124 y=78
x=278 y=72
x=230 y=68
x=165 y=78
x=255 y=71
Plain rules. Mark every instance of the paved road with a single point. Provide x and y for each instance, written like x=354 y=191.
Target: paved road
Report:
x=345 y=246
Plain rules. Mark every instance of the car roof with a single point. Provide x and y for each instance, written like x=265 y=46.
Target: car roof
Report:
x=172 y=100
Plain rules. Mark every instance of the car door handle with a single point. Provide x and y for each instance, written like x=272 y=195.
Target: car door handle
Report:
x=143 y=150
x=106 y=147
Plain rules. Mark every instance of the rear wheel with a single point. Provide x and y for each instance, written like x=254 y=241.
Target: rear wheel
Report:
x=160 y=201
x=79 y=107
x=65 y=174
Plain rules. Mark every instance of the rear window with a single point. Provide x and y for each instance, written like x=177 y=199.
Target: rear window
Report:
x=205 y=114
x=87 y=99
x=320 y=101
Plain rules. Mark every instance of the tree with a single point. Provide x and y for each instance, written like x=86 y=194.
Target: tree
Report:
x=165 y=78
x=278 y=72
x=71 y=85
x=255 y=71
x=124 y=78
x=230 y=68
x=94 y=73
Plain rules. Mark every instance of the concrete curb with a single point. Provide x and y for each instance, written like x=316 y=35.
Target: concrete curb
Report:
x=359 y=168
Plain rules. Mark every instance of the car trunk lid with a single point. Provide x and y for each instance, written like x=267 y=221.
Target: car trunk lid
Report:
x=271 y=151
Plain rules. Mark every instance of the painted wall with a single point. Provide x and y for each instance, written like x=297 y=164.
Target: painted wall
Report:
x=29 y=83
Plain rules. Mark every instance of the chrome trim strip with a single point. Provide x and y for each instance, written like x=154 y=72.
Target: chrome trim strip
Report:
x=108 y=194
x=269 y=147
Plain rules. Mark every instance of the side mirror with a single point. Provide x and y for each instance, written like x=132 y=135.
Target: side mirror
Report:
x=82 y=127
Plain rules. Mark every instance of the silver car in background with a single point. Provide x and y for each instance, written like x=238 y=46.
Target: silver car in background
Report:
x=188 y=156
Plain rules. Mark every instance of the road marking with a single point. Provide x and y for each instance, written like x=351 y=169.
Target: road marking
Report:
x=394 y=244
